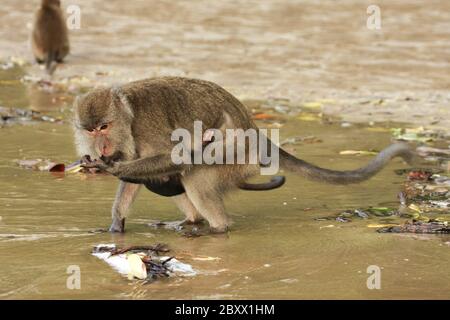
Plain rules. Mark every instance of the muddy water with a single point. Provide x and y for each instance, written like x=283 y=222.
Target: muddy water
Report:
x=275 y=249
x=304 y=50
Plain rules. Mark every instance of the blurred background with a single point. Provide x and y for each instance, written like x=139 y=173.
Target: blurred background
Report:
x=293 y=49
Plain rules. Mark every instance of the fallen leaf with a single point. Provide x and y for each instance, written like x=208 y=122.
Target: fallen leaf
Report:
x=420 y=175
x=418 y=134
x=430 y=227
x=426 y=151
x=358 y=152
x=137 y=267
x=206 y=258
x=414 y=207
x=374 y=225
x=310 y=117
x=312 y=105
x=58 y=167
x=263 y=116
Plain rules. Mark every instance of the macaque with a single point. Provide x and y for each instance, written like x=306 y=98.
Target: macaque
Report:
x=49 y=39
x=127 y=131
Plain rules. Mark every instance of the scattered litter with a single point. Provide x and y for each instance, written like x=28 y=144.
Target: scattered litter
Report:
x=421 y=175
x=310 y=116
x=50 y=166
x=41 y=165
x=300 y=139
x=367 y=213
x=263 y=116
x=289 y=281
x=424 y=151
x=13 y=62
x=430 y=227
x=380 y=225
x=206 y=258
x=16 y=115
x=312 y=105
x=358 y=153
x=74 y=84
x=418 y=134
x=142 y=262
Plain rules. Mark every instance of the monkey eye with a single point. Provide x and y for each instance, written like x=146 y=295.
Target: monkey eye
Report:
x=104 y=127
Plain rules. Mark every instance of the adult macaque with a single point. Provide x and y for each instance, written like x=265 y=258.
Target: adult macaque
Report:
x=128 y=129
x=49 y=39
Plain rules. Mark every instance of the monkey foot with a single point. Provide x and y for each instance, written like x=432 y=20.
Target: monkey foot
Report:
x=187 y=222
x=175 y=225
x=118 y=225
x=101 y=230
x=196 y=232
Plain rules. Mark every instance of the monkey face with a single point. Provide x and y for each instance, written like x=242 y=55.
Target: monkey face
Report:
x=103 y=128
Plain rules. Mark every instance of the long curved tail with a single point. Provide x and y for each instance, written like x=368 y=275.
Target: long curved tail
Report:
x=310 y=171
x=274 y=183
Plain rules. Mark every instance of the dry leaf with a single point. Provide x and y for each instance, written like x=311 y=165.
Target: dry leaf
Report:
x=312 y=105
x=137 y=267
x=357 y=153
x=263 y=116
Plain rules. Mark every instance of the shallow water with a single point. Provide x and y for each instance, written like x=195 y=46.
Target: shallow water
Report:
x=275 y=248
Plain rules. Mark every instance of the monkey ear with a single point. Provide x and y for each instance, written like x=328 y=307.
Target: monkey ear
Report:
x=76 y=114
x=119 y=98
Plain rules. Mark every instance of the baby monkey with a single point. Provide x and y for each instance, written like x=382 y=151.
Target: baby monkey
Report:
x=49 y=38
x=128 y=130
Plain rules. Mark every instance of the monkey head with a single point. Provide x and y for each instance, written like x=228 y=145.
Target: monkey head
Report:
x=102 y=122
x=51 y=3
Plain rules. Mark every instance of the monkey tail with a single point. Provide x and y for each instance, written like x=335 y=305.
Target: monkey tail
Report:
x=274 y=183
x=313 y=172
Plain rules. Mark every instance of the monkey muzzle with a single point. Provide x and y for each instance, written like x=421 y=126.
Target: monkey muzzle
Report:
x=115 y=157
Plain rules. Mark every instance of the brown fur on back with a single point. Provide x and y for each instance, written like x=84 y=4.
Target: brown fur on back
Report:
x=50 y=34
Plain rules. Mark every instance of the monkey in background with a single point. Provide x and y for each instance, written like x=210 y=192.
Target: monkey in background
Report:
x=49 y=38
x=128 y=129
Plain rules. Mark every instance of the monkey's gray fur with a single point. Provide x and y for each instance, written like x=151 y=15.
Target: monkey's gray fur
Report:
x=141 y=117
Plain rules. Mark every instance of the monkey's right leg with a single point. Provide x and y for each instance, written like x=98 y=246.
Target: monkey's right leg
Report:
x=126 y=194
x=201 y=191
x=186 y=206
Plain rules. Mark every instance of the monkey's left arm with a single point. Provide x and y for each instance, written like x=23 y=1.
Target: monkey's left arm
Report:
x=141 y=169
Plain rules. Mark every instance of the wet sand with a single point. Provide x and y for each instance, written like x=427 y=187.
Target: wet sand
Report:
x=313 y=51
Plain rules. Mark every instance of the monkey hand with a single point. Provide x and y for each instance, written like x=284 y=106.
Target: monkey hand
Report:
x=96 y=164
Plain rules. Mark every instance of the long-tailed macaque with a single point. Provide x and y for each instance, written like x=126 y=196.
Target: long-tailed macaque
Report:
x=49 y=39
x=127 y=129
